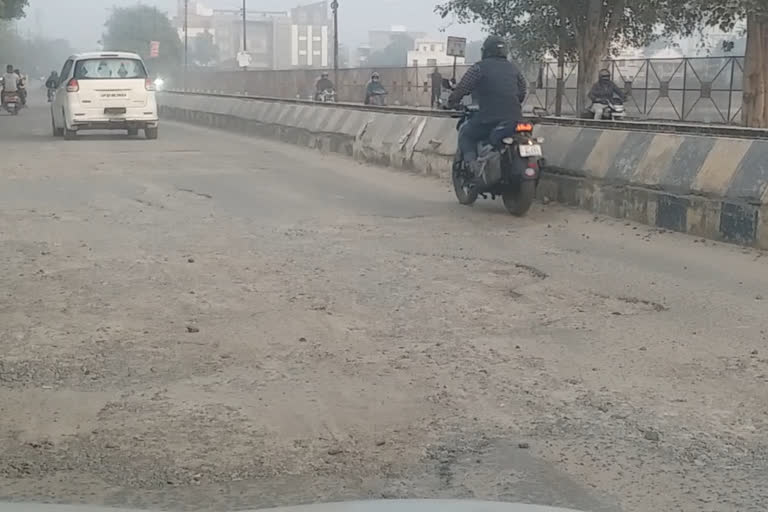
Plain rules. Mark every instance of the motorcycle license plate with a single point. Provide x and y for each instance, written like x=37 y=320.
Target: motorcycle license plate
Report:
x=527 y=150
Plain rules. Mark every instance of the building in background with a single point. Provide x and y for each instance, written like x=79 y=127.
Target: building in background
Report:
x=430 y=52
x=294 y=39
x=380 y=39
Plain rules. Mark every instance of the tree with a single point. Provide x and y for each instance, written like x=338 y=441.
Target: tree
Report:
x=132 y=29
x=588 y=29
x=395 y=54
x=725 y=15
x=204 y=50
x=35 y=56
x=12 y=9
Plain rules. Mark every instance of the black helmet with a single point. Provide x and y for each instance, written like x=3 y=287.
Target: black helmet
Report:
x=495 y=46
x=604 y=74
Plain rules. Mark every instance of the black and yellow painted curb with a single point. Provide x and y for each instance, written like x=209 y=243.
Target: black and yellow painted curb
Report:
x=712 y=187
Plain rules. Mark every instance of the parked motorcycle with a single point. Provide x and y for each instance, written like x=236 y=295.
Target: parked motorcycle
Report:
x=12 y=103
x=510 y=166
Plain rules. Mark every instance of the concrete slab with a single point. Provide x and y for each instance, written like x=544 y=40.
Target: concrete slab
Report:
x=717 y=172
x=751 y=179
x=594 y=151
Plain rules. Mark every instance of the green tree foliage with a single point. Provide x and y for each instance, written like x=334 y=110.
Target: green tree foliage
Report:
x=132 y=29
x=204 y=50
x=395 y=54
x=35 y=56
x=587 y=29
x=12 y=9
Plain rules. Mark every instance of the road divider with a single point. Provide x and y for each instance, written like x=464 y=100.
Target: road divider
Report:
x=704 y=185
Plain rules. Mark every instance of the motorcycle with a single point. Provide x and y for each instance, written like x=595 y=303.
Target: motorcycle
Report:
x=12 y=102
x=378 y=97
x=327 y=96
x=612 y=110
x=510 y=163
x=51 y=95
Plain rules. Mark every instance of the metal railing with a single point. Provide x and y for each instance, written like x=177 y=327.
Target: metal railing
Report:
x=700 y=89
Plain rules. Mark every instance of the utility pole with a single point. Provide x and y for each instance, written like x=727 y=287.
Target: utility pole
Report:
x=335 y=7
x=186 y=36
x=186 y=42
x=245 y=34
x=562 y=35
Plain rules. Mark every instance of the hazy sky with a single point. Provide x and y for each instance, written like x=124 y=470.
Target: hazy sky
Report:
x=56 y=18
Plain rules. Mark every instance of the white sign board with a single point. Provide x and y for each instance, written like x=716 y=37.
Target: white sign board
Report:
x=457 y=47
x=243 y=59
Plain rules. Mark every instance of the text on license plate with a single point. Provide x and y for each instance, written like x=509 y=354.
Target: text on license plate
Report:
x=527 y=150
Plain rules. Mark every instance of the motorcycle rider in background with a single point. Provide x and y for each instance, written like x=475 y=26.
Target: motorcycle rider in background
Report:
x=374 y=91
x=51 y=84
x=22 y=85
x=323 y=84
x=499 y=89
x=603 y=93
x=10 y=82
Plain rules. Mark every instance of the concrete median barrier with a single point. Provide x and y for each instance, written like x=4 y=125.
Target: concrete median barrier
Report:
x=713 y=187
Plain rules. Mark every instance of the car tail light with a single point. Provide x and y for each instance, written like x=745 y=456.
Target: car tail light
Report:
x=149 y=85
x=73 y=86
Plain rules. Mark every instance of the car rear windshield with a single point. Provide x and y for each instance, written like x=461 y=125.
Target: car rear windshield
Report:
x=109 y=68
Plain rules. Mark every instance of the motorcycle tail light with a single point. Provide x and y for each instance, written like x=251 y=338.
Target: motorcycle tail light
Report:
x=524 y=127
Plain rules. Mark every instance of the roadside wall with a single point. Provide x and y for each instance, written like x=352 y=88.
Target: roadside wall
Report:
x=711 y=187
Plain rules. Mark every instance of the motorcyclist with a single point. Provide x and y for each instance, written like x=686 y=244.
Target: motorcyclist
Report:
x=499 y=89
x=10 y=82
x=374 y=88
x=603 y=93
x=323 y=84
x=22 y=86
x=52 y=83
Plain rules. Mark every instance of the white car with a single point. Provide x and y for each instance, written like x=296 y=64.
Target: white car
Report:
x=104 y=91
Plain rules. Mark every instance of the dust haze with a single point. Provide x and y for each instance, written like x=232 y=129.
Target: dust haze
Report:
x=82 y=21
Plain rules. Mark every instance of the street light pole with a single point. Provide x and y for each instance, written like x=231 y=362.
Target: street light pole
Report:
x=245 y=35
x=186 y=37
x=335 y=7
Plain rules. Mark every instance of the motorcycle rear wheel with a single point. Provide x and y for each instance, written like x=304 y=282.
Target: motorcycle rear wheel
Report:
x=519 y=201
x=466 y=194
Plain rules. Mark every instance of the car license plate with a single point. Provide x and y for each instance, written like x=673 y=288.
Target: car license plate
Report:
x=527 y=150
x=114 y=110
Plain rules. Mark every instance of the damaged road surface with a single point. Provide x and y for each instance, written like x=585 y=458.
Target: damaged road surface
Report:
x=209 y=321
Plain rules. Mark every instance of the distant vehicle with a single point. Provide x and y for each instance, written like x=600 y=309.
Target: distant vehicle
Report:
x=12 y=102
x=327 y=96
x=104 y=91
x=611 y=110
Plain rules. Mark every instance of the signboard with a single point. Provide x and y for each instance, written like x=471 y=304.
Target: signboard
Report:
x=154 y=48
x=457 y=47
x=243 y=59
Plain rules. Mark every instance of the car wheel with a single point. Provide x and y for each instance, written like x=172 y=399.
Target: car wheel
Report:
x=132 y=132
x=150 y=133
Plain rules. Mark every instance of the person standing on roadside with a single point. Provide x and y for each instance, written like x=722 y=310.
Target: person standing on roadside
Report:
x=437 y=87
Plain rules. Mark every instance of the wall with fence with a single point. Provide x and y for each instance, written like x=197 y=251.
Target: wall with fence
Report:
x=702 y=89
